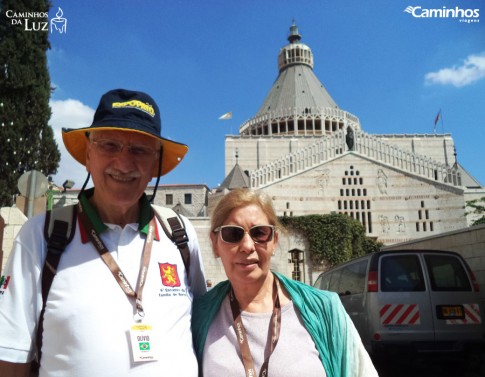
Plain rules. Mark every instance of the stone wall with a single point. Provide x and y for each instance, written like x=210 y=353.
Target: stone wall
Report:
x=385 y=183
x=214 y=270
x=469 y=242
x=14 y=219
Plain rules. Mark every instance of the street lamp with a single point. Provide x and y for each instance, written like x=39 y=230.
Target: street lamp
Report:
x=68 y=184
x=296 y=257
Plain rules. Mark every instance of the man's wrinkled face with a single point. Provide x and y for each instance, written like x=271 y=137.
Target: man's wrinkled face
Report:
x=121 y=164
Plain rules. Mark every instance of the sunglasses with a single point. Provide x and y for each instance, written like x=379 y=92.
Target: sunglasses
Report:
x=235 y=233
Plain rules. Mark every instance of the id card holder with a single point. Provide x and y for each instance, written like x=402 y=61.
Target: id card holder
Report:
x=142 y=345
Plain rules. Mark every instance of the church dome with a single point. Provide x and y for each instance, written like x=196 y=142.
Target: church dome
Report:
x=295 y=52
x=298 y=103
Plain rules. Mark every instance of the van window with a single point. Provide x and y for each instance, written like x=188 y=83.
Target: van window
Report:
x=401 y=273
x=322 y=281
x=352 y=280
x=447 y=273
x=334 y=280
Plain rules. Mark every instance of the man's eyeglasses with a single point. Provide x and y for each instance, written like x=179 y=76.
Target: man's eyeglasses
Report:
x=235 y=233
x=111 y=148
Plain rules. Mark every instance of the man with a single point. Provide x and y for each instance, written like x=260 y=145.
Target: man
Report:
x=119 y=304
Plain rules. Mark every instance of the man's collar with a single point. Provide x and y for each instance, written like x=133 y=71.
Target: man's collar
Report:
x=91 y=211
x=146 y=214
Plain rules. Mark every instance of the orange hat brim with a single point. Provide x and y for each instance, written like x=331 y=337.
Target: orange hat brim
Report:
x=75 y=141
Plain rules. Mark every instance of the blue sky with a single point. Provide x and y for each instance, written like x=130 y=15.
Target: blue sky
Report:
x=201 y=59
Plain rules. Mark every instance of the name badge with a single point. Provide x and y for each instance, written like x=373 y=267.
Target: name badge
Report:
x=142 y=344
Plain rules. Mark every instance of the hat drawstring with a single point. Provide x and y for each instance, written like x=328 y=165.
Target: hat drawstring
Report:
x=85 y=183
x=158 y=175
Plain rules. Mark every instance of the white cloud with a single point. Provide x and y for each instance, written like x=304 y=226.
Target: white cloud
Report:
x=472 y=69
x=69 y=114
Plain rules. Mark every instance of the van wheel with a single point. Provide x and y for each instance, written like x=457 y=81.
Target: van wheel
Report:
x=473 y=361
x=383 y=365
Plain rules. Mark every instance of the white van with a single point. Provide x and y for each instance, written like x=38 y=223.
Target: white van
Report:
x=414 y=301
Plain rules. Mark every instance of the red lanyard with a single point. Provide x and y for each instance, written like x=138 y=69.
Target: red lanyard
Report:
x=113 y=266
x=274 y=332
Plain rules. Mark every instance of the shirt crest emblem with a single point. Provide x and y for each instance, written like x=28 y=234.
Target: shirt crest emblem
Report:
x=169 y=274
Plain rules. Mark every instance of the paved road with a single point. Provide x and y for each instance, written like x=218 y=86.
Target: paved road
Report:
x=429 y=368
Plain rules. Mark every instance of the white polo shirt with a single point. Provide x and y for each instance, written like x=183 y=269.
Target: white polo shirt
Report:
x=88 y=316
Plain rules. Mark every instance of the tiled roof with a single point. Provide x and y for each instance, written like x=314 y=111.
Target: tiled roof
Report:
x=467 y=179
x=236 y=178
x=297 y=87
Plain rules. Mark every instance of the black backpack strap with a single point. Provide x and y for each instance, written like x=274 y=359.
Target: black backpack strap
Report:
x=59 y=230
x=174 y=228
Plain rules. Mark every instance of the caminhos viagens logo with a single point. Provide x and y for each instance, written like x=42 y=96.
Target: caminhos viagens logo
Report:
x=467 y=15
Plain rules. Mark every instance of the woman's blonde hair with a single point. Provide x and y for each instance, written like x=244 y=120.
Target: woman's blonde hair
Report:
x=241 y=198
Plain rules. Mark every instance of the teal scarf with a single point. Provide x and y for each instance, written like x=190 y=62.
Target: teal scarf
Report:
x=322 y=313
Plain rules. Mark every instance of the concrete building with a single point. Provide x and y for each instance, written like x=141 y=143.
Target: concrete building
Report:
x=313 y=157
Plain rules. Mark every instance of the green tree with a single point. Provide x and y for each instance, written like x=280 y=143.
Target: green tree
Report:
x=27 y=140
x=332 y=238
x=478 y=208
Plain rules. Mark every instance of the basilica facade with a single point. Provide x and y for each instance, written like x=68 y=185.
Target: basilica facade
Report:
x=312 y=157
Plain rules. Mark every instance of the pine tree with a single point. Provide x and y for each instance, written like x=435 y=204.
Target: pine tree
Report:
x=26 y=139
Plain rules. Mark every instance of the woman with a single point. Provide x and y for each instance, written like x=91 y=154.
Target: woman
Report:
x=259 y=322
